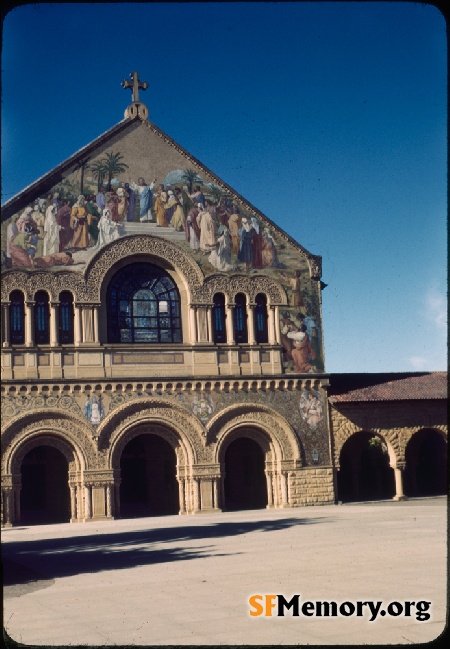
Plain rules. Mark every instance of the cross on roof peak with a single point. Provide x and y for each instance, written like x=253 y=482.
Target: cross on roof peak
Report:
x=135 y=85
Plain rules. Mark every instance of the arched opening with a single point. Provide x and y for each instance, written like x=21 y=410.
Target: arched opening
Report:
x=260 y=315
x=17 y=318
x=426 y=465
x=66 y=317
x=143 y=306
x=364 y=472
x=149 y=485
x=245 y=484
x=41 y=318
x=219 y=329
x=240 y=319
x=45 y=494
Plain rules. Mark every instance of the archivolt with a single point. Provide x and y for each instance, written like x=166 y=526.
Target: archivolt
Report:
x=47 y=428
x=255 y=416
x=178 y=426
x=129 y=247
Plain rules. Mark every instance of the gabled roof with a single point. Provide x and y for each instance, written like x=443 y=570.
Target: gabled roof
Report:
x=387 y=387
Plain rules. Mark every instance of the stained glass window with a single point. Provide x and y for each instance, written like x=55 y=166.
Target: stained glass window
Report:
x=41 y=319
x=240 y=319
x=220 y=334
x=17 y=318
x=66 y=315
x=261 y=318
x=143 y=306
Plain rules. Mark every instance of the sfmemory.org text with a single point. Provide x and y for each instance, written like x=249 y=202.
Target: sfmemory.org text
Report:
x=279 y=606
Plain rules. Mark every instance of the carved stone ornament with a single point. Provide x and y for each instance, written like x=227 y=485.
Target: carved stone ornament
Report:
x=47 y=428
x=149 y=415
x=230 y=285
x=244 y=416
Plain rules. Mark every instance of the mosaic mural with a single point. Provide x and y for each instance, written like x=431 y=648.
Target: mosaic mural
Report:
x=101 y=201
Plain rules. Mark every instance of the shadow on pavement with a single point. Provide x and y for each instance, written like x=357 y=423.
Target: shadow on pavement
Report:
x=46 y=559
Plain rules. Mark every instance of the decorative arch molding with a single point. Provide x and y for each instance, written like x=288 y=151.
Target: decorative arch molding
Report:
x=131 y=246
x=54 y=429
x=230 y=422
x=31 y=281
x=230 y=285
x=179 y=427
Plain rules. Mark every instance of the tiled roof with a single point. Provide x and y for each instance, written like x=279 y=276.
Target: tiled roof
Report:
x=387 y=387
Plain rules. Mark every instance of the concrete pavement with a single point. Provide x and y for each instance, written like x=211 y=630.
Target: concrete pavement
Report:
x=186 y=580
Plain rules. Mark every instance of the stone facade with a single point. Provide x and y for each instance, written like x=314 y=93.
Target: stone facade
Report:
x=244 y=413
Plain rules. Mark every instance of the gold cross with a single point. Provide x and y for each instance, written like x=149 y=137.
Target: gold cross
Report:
x=135 y=85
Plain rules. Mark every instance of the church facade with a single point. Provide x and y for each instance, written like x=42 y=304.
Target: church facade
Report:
x=162 y=345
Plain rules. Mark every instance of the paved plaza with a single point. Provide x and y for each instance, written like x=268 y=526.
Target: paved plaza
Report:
x=187 y=580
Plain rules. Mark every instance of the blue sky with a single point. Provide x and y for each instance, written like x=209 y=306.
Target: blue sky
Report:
x=330 y=118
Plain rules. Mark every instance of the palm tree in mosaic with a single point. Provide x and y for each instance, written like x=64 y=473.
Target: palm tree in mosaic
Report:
x=99 y=171
x=82 y=166
x=191 y=177
x=113 y=166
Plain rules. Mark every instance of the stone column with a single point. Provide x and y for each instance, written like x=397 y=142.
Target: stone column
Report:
x=73 y=503
x=7 y=507
x=284 y=490
x=271 y=325
x=215 y=494
x=29 y=320
x=77 y=324
x=88 y=504
x=88 y=324
x=277 y=325
x=251 y=324
x=399 y=495
x=5 y=328
x=193 y=323
x=229 y=323
x=96 y=333
x=109 y=512
x=181 y=496
x=209 y=321
x=54 y=328
x=269 y=490
x=196 y=495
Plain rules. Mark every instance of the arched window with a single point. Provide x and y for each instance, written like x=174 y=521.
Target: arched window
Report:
x=143 y=306
x=66 y=315
x=17 y=318
x=260 y=314
x=41 y=319
x=240 y=319
x=220 y=333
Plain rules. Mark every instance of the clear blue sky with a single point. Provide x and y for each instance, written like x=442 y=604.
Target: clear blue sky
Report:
x=329 y=117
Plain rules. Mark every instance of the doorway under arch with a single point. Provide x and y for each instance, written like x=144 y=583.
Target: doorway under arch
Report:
x=149 y=485
x=45 y=493
x=426 y=465
x=245 y=485
x=365 y=473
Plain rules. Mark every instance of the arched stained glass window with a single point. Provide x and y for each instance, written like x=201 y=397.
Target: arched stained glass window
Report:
x=220 y=334
x=17 y=318
x=260 y=314
x=143 y=306
x=240 y=319
x=66 y=315
x=41 y=318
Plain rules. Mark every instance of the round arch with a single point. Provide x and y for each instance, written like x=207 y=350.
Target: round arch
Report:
x=67 y=430
x=425 y=471
x=273 y=427
x=366 y=468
